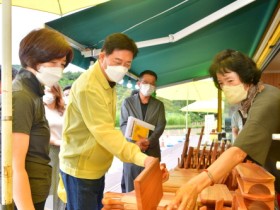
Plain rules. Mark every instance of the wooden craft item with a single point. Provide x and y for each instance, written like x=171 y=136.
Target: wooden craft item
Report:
x=231 y=181
x=238 y=201
x=148 y=187
x=189 y=158
x=200 y=138
x=214 y=152
x=208 y=156
x=198 y=147
x=259 y=205
x=252 y=172
x=211 y=194
x=177 y=178
x=219 y=205
x=201 y=161
x=253 y=176
x=185 y=148
x=257 y=192
x=127 y=201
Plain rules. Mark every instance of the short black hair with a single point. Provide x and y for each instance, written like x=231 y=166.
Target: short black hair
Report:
x=14 y=73
x=150 y=72
x=43 y=45
x=119 y=41
x=67 y=87
x=234 y=61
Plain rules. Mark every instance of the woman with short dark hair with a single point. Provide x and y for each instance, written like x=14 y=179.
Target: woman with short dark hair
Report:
x=238 y=77
x=44 y=54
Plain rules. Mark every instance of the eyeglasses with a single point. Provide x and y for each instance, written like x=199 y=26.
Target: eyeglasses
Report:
x=145 y=82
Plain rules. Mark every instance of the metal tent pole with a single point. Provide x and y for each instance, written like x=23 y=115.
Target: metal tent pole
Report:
x=6 y=118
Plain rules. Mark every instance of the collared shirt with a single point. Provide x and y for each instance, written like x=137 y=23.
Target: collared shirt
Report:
x=90 y=139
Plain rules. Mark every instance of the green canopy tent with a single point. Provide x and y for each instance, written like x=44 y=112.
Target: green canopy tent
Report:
x=177 y=39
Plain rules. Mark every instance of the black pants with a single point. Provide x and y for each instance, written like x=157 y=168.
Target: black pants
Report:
x=38 y=206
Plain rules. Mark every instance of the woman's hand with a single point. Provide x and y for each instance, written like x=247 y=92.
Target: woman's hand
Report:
x=185 y=197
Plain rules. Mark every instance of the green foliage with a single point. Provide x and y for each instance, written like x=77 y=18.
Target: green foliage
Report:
x=122 y=93
x=118 y=117
x=175 y=119
x=68 y=78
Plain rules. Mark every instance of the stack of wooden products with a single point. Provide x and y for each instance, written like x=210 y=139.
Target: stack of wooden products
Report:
x=200 y=157
x=247 y=187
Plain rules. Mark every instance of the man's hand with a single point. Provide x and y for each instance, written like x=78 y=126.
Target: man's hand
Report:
x=165 y=173
x=143 y=143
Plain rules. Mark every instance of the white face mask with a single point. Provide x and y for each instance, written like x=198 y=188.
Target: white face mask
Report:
x=147 y=89
x=235 y=94
x=116 y=73
x=48 y=98
x=49 y=75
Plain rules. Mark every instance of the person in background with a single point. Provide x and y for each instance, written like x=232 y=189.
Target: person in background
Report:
x=43 y=54
x=236 y=124
x=66 y=92
x=90 y=139
x=149 y=109
x=239 y=78
x=54 y=108
x=133 y=92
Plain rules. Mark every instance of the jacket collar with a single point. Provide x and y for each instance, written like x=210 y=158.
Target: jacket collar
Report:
x=30 y=80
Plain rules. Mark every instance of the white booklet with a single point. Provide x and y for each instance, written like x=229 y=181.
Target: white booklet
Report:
x=136 y=128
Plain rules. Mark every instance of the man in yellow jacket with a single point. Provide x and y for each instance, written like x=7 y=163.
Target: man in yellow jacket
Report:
x=90 y=140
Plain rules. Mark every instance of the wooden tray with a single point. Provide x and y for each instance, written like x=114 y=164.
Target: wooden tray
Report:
x=252 y=172
x=148 y=187
x=257 y=192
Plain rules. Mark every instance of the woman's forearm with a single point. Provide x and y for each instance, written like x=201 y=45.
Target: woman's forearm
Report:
x=22 y=191
x=226 y=162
